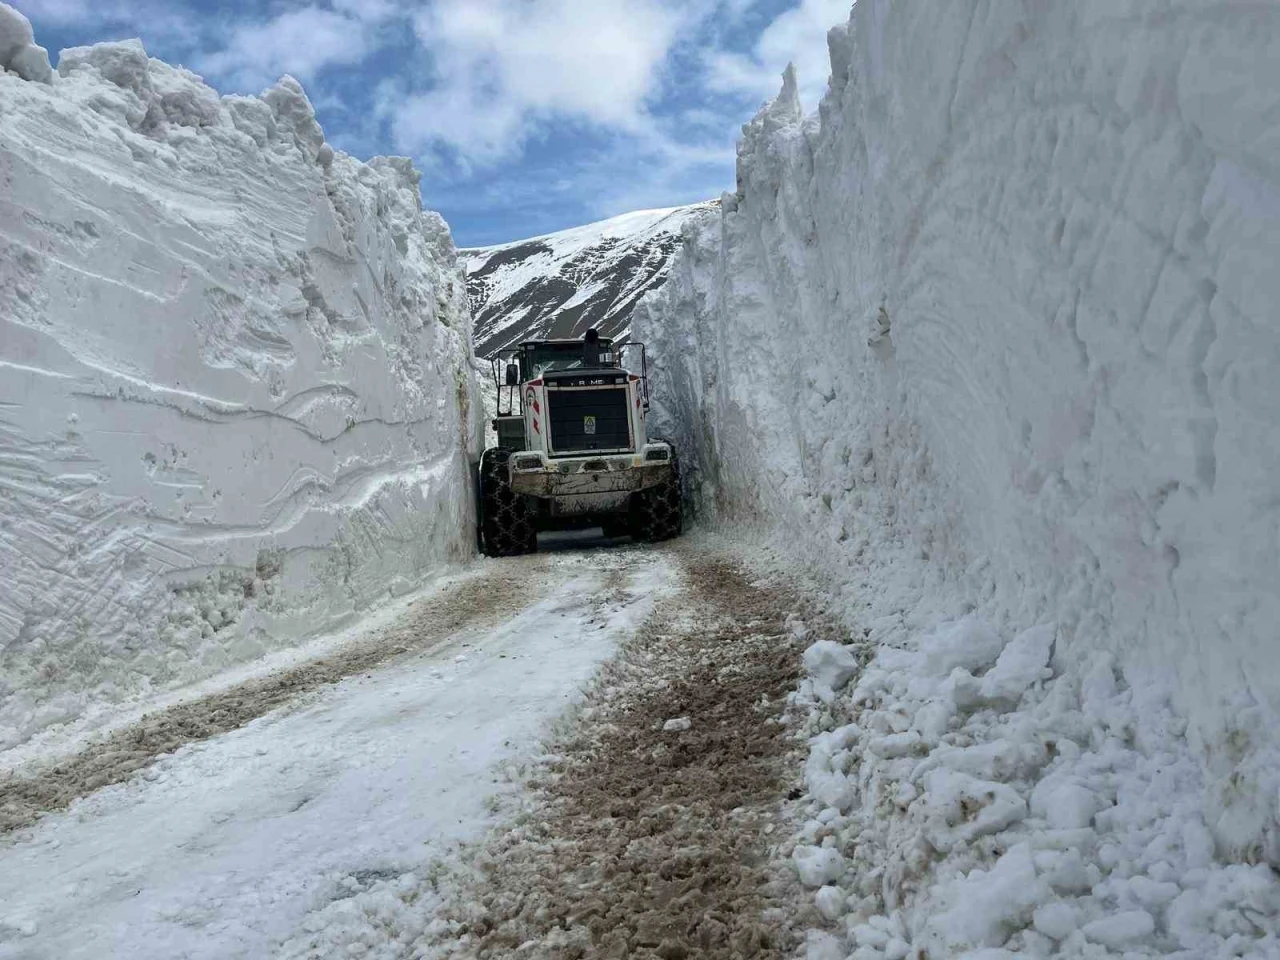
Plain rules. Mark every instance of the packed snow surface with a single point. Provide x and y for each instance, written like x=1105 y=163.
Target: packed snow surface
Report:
x=235 y=398
x=560 y=284
x=989 y=340
x=320 y=831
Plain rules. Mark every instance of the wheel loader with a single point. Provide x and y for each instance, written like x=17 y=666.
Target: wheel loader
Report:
x=573 y=450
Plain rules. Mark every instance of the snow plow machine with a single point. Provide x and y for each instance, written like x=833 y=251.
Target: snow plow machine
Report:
x=572 y=449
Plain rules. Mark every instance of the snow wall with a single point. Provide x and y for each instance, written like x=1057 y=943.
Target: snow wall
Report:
x=995 y=330
x=236 y=400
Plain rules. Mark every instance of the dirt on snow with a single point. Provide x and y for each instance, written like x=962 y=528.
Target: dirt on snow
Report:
x=427 y=626
x=656 y=826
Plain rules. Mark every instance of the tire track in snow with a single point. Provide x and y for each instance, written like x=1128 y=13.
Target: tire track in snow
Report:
x=650 y=838
x=428 y=626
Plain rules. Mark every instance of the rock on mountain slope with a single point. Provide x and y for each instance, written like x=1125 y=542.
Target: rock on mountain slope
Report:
x=235 y=394
x=991 y=341
x=561 y=284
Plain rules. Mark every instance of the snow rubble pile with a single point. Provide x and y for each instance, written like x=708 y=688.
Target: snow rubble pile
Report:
x=989 y=340
x=235 y=380
x=966 y=798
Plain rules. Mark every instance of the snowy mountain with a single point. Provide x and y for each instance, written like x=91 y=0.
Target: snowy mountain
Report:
x=560 y=284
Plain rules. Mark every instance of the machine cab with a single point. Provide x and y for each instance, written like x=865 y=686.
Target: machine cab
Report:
x=571 y=397
x=573 y=448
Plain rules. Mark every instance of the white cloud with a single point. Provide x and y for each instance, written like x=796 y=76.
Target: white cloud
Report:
x=369 y=11
x=797 y=36
x=153 y=21
x=502 y=66
x=242 y=52
x=503 y=72
x=301 y=42
x=64 y=11
x=658 y=87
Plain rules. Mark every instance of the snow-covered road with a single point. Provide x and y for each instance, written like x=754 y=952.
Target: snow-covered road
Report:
x=222 y=848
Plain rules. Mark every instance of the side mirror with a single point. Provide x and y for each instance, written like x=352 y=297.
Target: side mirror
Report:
x=513 y=375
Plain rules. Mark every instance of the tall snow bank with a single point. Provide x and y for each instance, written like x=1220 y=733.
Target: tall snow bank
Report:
x=235 y=388
x=995 y=331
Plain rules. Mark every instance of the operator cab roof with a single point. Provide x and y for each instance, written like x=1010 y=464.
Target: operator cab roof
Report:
x=562 y=342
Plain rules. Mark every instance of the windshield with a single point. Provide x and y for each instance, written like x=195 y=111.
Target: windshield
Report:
x=537 y=359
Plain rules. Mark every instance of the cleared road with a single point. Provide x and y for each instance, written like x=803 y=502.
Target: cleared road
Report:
x=340 y=807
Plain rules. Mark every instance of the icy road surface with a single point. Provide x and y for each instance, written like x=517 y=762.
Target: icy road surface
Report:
x=223 y=847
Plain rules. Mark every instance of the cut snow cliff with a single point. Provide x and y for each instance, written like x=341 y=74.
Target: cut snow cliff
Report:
x=996 y=330
x=562 y=284
x=235 y=398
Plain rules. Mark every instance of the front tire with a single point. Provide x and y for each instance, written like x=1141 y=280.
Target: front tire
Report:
x=656 y=512
x=506 y=517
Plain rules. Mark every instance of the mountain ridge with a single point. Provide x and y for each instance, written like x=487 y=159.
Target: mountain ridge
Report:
x=560 y=284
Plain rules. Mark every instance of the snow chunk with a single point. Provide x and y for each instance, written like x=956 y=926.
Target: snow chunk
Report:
x=931 y=720
x=968 y=644
x=1056 y=920
x=830 y=902
x=32 y=63
x=952 y=795
x=677 y=725
x=1067 y=872
x=820 y=945
x=962 y=688
x=1023 y=662
x=1067 y=805
x=986 y=906
x=121 y=62
x=786 y=108
x=180 y=97
x=1120 y=929
x=826 y=780
x=18 y=49
x=295 y=114
x=830 y=665
x=895 y=745
x=15 y=32
x=818 y=866
x=1152 y=893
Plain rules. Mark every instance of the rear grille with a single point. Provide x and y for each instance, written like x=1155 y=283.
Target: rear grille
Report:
x=591 y=419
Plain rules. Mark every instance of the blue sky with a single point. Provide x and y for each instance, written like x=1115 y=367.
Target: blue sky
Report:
x=525 y=116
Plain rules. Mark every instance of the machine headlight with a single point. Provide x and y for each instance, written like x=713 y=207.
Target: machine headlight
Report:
x=658 y=454
x=528 y=461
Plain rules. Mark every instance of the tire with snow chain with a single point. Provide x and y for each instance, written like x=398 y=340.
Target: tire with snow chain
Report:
x=506 y=517
x=656 y=511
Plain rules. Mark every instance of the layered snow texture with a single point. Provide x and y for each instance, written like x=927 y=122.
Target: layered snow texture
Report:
x=562 y=284
x=993 y=334
x=235 y=388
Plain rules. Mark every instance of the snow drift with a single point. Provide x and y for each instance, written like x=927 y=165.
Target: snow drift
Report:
x=235 y=389
x=993 y=334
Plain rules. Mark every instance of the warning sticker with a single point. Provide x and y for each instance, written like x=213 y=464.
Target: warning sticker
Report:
x=589 y=426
